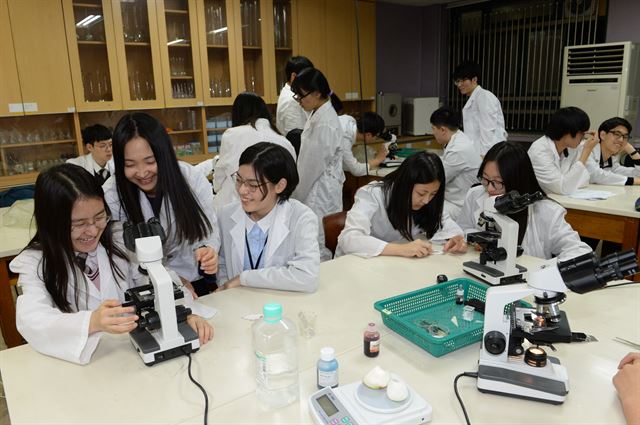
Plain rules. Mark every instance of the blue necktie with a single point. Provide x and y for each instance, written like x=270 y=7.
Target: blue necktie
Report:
x=255 y=242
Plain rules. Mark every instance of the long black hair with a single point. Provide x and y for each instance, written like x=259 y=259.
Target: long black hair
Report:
x=517 y=173
x=61 y=186
x=191 y=222
x=420 y=168
x=247 y=108
x=271 y=163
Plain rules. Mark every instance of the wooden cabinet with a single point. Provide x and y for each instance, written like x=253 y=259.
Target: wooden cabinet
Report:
x=284 y=26
x=312 y=32
x=10 y=96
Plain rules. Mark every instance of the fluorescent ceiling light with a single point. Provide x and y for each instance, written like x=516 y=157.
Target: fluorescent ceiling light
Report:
x=219 y=30
x=176 y=41
x=89 y=20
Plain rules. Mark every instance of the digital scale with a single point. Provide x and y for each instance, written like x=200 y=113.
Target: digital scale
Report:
x=357 y=404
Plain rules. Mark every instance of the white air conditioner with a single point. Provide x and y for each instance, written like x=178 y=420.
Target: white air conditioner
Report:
x=603 y=80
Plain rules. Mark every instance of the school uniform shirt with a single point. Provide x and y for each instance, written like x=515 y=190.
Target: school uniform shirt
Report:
x=548 y=235
x=367 y=228
x=88 y=163
x=66 y=335
x=179 y=255
x=483 y=120
x=557 y=173
x=289 y=113
x=234 y=142
x=609 y=172
x=290 y=258
x=461 y=163
x=349 y=132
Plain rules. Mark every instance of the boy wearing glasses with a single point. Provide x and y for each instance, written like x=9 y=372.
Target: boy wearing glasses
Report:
x=99 y=159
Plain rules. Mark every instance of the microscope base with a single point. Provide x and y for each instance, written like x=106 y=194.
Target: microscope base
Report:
x=152 y=350
x=549 y=384
x=492 y=275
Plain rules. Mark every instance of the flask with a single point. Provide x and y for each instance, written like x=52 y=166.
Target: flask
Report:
x=327 y=368
x=371 y=341
x=275 y=341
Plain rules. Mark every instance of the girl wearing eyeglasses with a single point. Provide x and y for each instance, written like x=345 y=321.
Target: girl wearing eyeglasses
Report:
x=150 y=182
x=268 y=240
x=74 y=271
x=252 y=123
x=387 y=217
x=604 y=161
x=542 y=229
x=320 y=158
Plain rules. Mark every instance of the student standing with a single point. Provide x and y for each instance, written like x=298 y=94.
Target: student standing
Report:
x=289 y=113
x=542 y=229
x=252 y=123
x=459 y=158
x=407 y=203
x=268 y=240
x=482 y=117
x=74 y=271
x=99 y=161
x=559 y=167
x=150 y=182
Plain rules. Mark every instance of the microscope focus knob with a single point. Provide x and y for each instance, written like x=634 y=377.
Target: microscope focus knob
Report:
x=495 y=342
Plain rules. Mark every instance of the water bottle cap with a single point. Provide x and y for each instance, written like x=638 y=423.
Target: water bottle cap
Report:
x=327 y=354
x=372 y=327
x=272 y=312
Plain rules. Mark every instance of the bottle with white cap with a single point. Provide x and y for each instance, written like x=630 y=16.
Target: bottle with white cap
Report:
x=327 y=368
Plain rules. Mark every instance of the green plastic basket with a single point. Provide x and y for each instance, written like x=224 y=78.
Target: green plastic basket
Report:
x=424 y=316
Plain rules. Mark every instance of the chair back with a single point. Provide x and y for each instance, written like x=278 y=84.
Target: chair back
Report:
x=333 y=225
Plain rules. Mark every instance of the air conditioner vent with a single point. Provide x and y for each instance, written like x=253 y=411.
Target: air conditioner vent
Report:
x=595 y=60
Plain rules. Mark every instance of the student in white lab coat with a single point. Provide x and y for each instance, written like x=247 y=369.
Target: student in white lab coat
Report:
x=252 y=123
x=559 y=167
x=99 y=161
x=74 y=271
x=543 y=231
x=150 y=182
x=407 y=203
x=459 y=158
x=604 y=162
x=483 y=121
x=364 y=130
x=289 y=113
x=268 y=240
x=320 y=159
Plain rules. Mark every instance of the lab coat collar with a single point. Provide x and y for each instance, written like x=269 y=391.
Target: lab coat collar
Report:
x=322 y=110
x=475 y=93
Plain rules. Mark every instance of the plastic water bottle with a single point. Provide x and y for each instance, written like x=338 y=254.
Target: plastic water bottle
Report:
x=275 y=341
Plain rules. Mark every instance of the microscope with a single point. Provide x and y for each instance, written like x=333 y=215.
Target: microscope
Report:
x=505 y=367
x=499 y=240
x=163 y=332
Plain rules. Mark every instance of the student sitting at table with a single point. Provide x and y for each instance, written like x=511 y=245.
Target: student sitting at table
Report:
x=604 y=162
x=542 y=229
x=150 y=182
x=407 y=203
x=99 y=159
x=74 y=271
x=268 y=240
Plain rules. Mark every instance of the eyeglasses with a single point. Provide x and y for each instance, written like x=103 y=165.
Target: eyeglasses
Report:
x=497 y=185
x=103 y=146
x=619 y=135
x=100 y=222
x=251 y=185
x=459 y=81
x=298 y=98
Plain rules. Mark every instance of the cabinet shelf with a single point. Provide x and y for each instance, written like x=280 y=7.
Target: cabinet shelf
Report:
x=88 y=5
x=92 y=43
x=176 y=12
x=283 y=49
x=182 y=77
x=29 y=144
x=217 y=46
x=179 y=45
x=213 y=130
x=137 y=43
x=194 y=131
x=252 y=47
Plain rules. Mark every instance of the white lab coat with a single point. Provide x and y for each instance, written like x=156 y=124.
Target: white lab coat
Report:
x=367 y=229
x=88 y=163
x=66 y=335
x=483 y=120
x=179 y=255
x=349 y=132
x=461 y=163
x=617 y=175
x=234 y=142
x=557 y=173
x=289 y=113
x=548 y=235
x=291 y=256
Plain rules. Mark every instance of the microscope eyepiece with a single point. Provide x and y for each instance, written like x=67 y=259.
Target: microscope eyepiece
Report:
x=587 y=272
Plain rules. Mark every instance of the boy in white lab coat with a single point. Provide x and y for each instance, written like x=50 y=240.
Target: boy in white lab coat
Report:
x=99 y=159
x=268 y=240
x=289 y=113
x=558 y=165
x=459 y=158
x=482 y=118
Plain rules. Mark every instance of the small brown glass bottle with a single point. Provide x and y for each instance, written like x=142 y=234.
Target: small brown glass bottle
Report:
x=371 y=341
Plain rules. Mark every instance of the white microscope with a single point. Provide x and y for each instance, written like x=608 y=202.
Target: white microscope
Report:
x=504 y=365
x=499 y=240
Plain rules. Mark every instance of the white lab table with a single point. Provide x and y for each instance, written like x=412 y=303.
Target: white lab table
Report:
x=116 y=387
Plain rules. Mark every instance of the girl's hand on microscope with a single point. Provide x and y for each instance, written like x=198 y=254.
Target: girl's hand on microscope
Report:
x=111 y=317
x=202 y=327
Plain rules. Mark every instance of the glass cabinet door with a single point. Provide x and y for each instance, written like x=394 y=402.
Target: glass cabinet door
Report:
x=138 y=53
x=282 y=38
x=177 y=24
x=92 y=54
x=254 y=59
